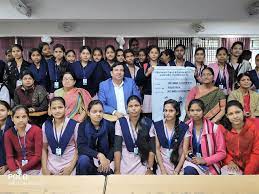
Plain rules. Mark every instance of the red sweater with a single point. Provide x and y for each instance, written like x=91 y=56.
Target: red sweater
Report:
x=243 y=148
x=33 y=149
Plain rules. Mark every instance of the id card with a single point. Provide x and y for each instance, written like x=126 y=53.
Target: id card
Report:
x=221 y=87
x=56 y=85
x=168 y=153
x=84 y=81
x=198 y=155
x=18 y=83
x=136 y=150
x=24 y=162
x=58 y=151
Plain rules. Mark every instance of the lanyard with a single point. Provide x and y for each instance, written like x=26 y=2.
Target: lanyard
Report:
x=200 y=70
x=198 y=140
x=83 y=70
x=169 y=139
x=133 y=135
x=222 y=78
x=56 y=134
x=56 y=72
x=23 y=147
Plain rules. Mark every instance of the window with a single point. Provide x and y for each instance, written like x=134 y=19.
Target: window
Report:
x=210 y=44
x=170 y=43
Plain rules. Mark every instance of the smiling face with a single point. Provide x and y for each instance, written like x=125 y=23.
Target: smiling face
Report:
x=153 y=54
x=71 y=57
x=118 y=73
x=120 y=57
x=110 y=54
x=68 y=81
x=57 y=109
x=235 y=115
x=142 y=56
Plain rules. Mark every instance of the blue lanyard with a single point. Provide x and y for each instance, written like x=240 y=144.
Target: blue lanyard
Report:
x=222 y=78
x=56 y=134
x=83 y=69
x=198 y=140
x=169 y=139
x=133 y=136
x=56 y=72
x=23 y=147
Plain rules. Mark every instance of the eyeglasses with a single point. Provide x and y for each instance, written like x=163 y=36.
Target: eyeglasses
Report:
x=68 y=79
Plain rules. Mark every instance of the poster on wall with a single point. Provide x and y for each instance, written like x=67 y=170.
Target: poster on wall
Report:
x=170 y=83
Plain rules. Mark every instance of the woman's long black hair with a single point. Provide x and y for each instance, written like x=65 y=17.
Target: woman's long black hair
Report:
x=143 y=139
x=174 y=158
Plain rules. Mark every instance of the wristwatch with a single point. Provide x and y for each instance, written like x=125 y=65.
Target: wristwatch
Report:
x=19 y=171
x=150 y=168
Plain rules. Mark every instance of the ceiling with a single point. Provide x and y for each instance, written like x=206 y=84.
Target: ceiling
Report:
x=130 y=9
x=129 y=18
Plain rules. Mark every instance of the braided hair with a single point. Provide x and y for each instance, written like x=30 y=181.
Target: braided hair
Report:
x=143 y=139
x=174 y=158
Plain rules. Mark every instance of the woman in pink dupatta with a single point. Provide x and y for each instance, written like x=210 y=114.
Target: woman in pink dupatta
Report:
x=77 y=99
x=204 y=145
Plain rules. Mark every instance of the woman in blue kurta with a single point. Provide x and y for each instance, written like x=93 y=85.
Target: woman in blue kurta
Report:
x=169 y=137
x=39 y=68
x=59 y=153
x=134 y=147
x=84 y=70
x=5 y=124
x=95 y=142
x=103 y=70
x=57 y=66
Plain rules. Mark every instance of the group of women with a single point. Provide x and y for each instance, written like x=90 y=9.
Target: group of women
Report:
x=134 y=145
x=219 y=136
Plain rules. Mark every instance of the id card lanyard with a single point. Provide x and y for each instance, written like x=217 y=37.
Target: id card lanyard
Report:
x=58 y=149
x=169 y=141
x=134 y=140
x=56 y=83
x=23 y=148
x=84 y=76
x=198 y=154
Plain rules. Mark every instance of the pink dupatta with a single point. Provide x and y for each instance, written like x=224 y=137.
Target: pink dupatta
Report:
x=74 y=99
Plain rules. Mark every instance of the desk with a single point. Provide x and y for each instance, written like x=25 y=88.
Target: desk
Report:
x=52 y=184
x=182 y=185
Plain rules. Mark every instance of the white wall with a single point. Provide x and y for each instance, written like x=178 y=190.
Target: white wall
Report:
x=131 y=28
x=130 y=9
